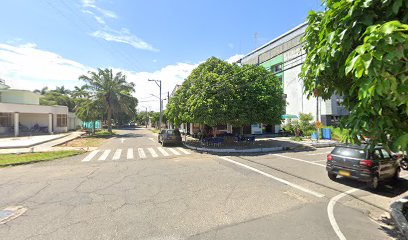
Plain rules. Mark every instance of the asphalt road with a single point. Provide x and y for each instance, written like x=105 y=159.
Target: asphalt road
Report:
x=131 y=188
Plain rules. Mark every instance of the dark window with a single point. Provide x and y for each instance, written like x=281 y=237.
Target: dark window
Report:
x=276 y=68
x=5 y=120
x=385 y=153
x=61 y=120
x=350 y=152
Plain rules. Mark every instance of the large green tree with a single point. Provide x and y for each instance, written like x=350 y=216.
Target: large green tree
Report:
x=217 y=92
x=112 y=90
x=358 y=49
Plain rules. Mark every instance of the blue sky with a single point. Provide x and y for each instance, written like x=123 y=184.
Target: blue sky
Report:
x=50 y=42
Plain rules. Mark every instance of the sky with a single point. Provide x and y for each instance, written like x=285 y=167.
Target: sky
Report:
x=52 y=42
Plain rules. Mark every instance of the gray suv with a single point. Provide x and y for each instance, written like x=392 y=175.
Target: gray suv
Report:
x=363 y=164
x=169 y=136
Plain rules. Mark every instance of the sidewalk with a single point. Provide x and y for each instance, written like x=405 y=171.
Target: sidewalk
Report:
x=307 y=142
x=45 y=146
x=25 y=142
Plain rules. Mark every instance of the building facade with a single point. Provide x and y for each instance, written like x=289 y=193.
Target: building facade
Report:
x=284 y=56
x=22 y=114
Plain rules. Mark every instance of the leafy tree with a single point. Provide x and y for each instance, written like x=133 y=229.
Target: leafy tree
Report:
x=220 y=93
x=113 y=90
x=59 y=96
x=358 y=50
x=89 y=109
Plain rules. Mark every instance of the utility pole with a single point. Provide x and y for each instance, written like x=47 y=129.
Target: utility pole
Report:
x=316 y=93
x=147 y=118
x=159 y=84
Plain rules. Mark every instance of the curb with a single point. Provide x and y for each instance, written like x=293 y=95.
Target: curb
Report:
x=232 y=150
x=396 y=211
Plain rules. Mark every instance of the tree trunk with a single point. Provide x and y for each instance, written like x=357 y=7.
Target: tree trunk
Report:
x=214 y=131
x=93 y=127
x=110 y=119
x=241 y=130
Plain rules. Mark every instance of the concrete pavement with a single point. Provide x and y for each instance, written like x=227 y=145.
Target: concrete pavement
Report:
x=187 y=196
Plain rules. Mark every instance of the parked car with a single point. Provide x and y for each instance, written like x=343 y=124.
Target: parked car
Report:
x=169 y=136
x=363 y=164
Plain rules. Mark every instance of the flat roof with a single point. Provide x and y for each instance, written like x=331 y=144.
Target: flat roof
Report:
x=275 y=40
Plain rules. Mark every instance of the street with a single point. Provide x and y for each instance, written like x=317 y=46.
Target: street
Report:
x=132 y=188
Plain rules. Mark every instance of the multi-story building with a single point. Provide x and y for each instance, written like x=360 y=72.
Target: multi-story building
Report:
x=284 y=56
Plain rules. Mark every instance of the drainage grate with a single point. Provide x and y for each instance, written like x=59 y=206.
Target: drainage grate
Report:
x=10 y=213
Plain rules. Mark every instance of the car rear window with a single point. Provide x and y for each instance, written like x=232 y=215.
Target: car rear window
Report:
x=170 y=132
x=349 y=152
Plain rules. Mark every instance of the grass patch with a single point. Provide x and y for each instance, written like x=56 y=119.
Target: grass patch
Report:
x=155 y=130
x=25 y=158
x=104 y=134
x=297 y=139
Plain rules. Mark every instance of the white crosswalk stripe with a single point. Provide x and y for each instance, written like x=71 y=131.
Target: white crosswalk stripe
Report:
x=117 y=154
x=152 y=152
x=130 y=153
x=141 y=153
x=162 y=151
x=173 y=151
x=90 y=156
x=183 y=150
x=104 y=155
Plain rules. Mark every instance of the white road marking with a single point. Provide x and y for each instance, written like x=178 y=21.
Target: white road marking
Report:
x=122 y=140
x=319 y=161
x=300 y=160
x=330 y=208
x=130 y=153
x=173 y=151
x=117 y=154
x=151 y=139
x=316 y=194
x=90 y=156
x=141 y=153
x=321 y=153
x=104 y=155
x=183 y=150
x=152 y=152
x=163 y=151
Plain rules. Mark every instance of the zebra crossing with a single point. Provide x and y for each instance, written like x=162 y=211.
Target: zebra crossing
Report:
x=131 y=153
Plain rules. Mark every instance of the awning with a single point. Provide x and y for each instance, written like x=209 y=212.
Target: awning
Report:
x=288 y=116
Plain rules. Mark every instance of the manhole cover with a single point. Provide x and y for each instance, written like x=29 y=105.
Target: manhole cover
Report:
x=10 y=213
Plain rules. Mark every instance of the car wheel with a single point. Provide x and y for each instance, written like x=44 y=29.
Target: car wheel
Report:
x=332 y=176
x=396 y=176
x=373 y=184
x=163 y=144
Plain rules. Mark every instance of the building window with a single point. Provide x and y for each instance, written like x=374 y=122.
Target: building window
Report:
x=61 y=120
x=5 y=120
x=276 y=68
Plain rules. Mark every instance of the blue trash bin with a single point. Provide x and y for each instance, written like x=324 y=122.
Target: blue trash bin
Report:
x=326 y=133
x=314 y=136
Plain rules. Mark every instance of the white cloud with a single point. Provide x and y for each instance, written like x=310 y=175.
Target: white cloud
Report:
x=124 y=36
x=27 y=67
x=104 y=12
x=109 y=34
x=235 y=58
x=170 y=75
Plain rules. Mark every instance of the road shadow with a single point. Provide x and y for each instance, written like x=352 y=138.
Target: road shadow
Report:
x=130 y=135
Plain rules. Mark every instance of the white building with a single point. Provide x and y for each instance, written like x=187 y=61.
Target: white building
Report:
x=284 y=56
x=21 y=113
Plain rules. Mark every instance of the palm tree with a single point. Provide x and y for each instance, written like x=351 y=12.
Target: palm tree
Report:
x=112 y=90
x=43 y=91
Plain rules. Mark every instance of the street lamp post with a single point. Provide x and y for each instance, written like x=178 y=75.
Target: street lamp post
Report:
x=159 y=84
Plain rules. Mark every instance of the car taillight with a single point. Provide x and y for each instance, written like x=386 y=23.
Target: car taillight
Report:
x=367 y=163
x=329 y=157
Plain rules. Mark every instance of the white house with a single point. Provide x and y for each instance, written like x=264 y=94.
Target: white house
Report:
x=20 y=112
